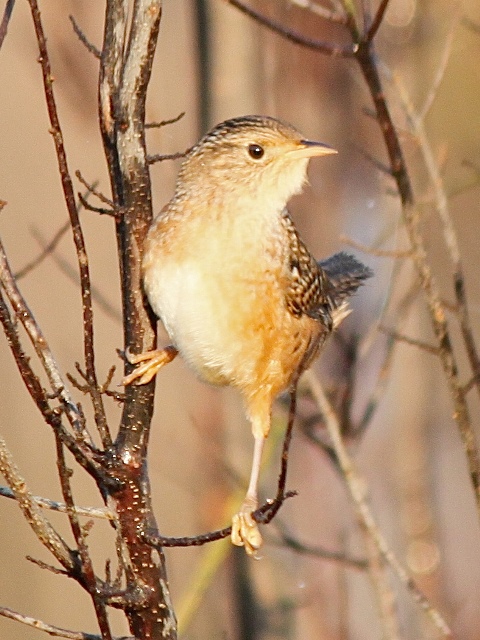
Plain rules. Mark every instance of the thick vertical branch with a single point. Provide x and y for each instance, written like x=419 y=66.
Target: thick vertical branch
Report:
x=125 y=68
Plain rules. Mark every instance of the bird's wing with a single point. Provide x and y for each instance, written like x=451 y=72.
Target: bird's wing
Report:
x=309 y=289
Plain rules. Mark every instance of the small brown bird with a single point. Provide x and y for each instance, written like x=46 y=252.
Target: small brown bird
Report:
x=238 y=292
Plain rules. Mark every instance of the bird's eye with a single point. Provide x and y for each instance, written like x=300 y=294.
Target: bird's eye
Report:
x=255 y=151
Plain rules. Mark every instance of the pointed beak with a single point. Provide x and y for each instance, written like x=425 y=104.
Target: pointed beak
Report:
x=310 y=149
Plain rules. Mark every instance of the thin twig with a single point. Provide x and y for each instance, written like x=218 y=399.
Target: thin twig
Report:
x=84 y=455
x=46 y=251
x=92 y=188
x=291 y=542
x=48 y=248
x=151 y=159
x=7 y=14
x=164 y=123
x=441 y=206
x=263 y=515
x=54 y=505
x=51 y=629
x=379 y=253
x=356 y=487
x=424 y=346
x=377 y=21
x=83 y=39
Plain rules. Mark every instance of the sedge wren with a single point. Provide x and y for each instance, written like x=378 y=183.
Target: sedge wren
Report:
x=238 y=292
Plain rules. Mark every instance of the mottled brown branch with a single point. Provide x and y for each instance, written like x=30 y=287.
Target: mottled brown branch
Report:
x=128 y=50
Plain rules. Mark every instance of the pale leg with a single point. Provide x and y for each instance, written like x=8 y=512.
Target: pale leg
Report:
x=245 y=531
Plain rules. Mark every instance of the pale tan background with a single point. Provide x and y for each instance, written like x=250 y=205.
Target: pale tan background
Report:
x=411 y=454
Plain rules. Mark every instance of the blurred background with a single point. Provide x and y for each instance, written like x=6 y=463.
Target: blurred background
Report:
x=214 y=63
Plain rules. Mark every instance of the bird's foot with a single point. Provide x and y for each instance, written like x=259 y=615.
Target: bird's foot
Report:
x=245 y=531
x=149 y=364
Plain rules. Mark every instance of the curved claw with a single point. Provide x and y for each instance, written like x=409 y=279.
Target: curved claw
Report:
x=148 y=363
x=245 y=531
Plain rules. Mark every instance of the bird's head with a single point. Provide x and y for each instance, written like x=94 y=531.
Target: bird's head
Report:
x=253 y=157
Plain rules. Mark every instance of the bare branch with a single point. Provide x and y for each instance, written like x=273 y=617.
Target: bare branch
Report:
x=164 y=123
x=288 y=540
x=424 y=346
x=83 y=39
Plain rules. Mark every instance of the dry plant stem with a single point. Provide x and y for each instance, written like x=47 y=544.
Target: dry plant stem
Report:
x=129 y=42
x=69 y=195
x=33 y=515
x=357 y=491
